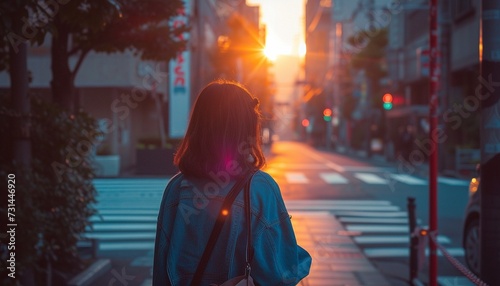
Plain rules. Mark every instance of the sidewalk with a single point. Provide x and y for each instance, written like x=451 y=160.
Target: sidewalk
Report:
x=337 y=260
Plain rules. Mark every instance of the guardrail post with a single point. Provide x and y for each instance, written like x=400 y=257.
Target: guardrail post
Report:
x=412 y=223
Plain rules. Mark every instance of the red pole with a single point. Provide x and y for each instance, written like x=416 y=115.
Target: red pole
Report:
x=433 y=104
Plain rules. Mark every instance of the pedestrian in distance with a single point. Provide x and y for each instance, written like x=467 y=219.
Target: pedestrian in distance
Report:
x=202 y=238
x=407 y=139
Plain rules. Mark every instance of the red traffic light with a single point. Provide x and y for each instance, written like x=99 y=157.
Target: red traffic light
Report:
x=305 y=122
x=327 y=114
x=387 y=97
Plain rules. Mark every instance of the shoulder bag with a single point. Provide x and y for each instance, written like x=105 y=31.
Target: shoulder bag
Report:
x=241 y=280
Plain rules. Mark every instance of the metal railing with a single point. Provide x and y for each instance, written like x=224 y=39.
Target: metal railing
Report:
x=418 y=241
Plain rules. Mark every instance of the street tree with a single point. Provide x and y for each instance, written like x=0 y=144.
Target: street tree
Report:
x=370 y=57
x=80 y=27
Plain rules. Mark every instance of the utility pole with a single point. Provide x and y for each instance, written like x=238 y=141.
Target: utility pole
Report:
x=489 y=95
x=433 y=120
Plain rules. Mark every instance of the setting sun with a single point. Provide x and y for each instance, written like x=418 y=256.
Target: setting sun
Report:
x=273 y=49
x=270 y=53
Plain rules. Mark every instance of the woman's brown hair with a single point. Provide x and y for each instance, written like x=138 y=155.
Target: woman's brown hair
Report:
x=223 y=132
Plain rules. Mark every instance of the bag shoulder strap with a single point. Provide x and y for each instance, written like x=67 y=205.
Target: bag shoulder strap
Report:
x=219 y=223
x=248 y=218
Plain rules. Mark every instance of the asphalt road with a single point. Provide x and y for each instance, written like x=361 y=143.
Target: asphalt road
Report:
x=306 y=173
x=368 y=197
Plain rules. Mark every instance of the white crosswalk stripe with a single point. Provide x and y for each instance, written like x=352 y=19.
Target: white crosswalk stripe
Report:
x=296 y=178
x=381 y=233
x=333 y=178
x=128 y=209
x=127 y=213
x=337 y=178
x=370 y=178
x=407 y=179
x=403 y=252
x=391 y=239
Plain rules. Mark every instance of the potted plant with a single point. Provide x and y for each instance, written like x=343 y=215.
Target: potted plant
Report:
x=105 y=163
x=155 y=159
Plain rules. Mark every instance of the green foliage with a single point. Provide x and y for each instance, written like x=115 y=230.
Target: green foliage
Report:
x=103 y=26
x=117 y=25
x=54 y=198
x=14 y=26
x=371 y=58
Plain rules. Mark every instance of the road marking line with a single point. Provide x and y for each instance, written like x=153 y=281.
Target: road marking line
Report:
x=298 y=166
x=407 y=179
x=341 y=208
x=389 y=239
x=120 y=235
x=122 y=227
x=340 y=202
x=403 y=252
x=368 y=228
x=122 y=218
x=368 y=169
x=127 y=212
x=137 y=245
x=329 y=164
x=333 y=178
x=370 y=178
x=296 y=178
x=372 y=220
x=453 y=182
x=309 y=213
x=132 y=205
x=371 y=214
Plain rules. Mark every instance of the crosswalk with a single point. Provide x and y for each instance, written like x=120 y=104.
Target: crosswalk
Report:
x=127 y=213
x=128 y=209
x=340 y=178
x=377 y=226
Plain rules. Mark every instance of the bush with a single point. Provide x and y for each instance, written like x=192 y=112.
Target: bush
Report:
x=55 y=196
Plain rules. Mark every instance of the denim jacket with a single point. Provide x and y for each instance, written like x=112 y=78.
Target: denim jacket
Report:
x=187 y=214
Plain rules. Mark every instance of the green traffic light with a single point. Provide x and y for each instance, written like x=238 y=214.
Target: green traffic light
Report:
x=327 y=118
x=387 y=105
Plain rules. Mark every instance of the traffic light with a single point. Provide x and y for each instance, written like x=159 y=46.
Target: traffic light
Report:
x=305 y=122
x=387 y=99
x=327 y=114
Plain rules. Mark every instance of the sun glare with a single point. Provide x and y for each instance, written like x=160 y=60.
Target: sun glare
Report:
x=274 y=48
x=302 y=49
x=270 y=53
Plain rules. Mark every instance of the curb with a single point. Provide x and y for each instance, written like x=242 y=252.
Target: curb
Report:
x=89 y=275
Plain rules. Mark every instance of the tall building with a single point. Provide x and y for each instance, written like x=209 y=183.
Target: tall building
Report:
x=458 y=58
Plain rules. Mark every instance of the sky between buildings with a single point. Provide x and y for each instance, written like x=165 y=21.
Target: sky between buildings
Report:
x=284 y=20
